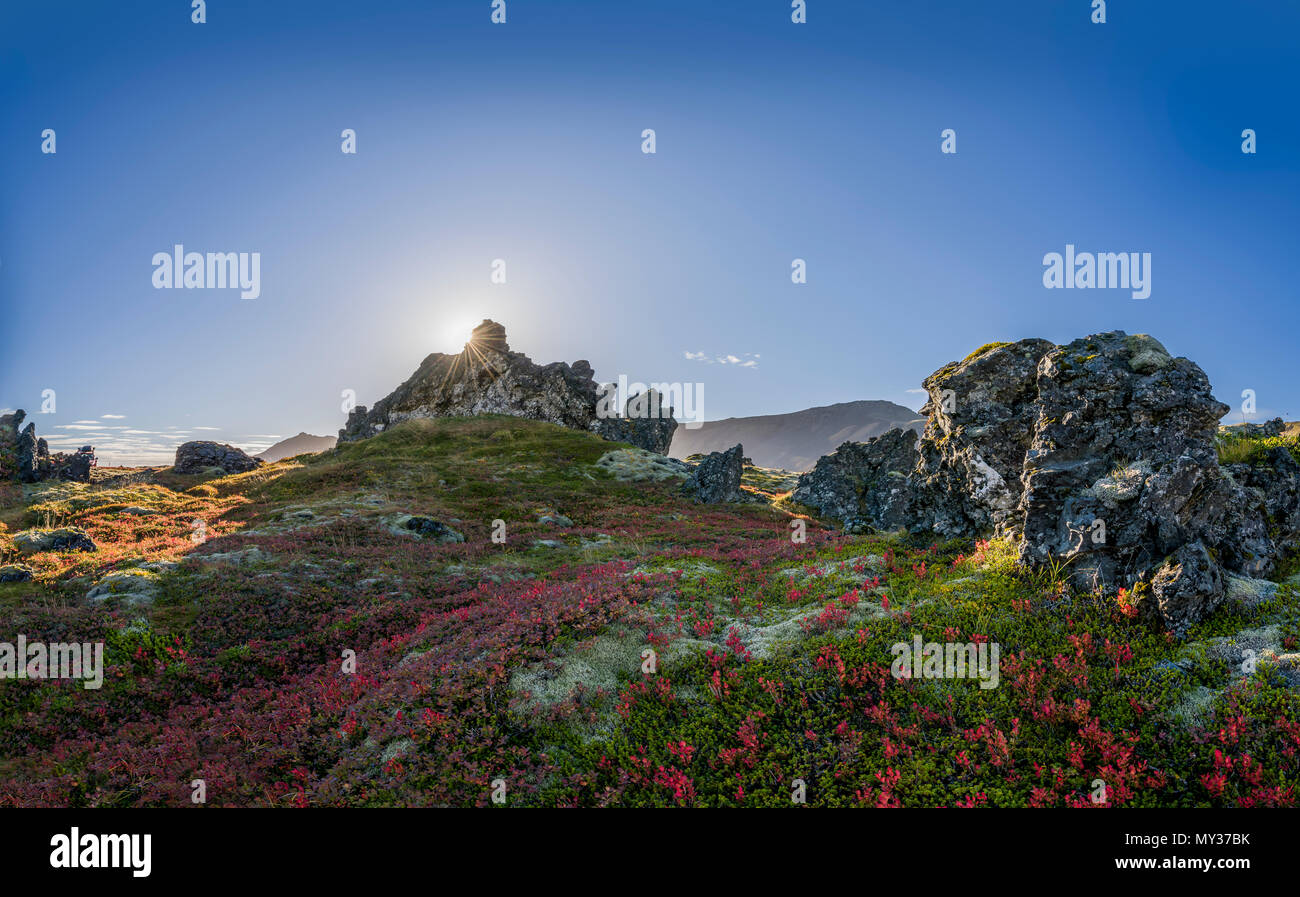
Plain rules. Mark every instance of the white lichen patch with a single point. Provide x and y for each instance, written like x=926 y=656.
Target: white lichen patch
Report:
x=987 y=485
x=1249 y=592
x=1146 y=354
x=836 y=571
x=1122 y=484
x=250 y=555
x=133 y=587
x=638 y=465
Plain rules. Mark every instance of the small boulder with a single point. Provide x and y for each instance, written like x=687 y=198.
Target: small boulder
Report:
x=199 y=456
x=428 y=528
x=66 y=538
x=15 y=573
x=1186 y=588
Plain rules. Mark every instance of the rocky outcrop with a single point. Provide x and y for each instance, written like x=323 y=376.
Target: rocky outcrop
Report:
x=1122 y=478
x=864 y=483
x=1273 y=482
x=1099 y=454
x=717 y=478
x=28 y=459
x=201 y=457
x=488 y=378
x=29 y=451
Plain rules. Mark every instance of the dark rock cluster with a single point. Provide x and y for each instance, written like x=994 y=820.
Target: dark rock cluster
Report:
x=1269 y=428
x=1272 y=486
x=1099 y=454
x=488 y=378
x=200 y=456
x=28 y=459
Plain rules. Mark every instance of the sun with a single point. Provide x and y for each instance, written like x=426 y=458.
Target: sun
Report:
x=453 y=332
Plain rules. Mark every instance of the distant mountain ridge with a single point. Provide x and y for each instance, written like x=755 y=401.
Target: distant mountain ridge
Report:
x=297 y=445
x=796 y=440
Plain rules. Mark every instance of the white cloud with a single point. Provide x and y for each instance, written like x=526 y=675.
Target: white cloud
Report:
x=917 y=392
x=744 y=360
x=207 y=428
x=112 y=416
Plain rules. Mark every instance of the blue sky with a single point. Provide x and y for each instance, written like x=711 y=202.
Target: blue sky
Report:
x=522 y=141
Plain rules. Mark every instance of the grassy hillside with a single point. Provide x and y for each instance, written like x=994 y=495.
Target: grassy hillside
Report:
x=521 y=663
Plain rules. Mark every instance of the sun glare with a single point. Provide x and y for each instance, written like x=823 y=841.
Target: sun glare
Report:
x=453 y=332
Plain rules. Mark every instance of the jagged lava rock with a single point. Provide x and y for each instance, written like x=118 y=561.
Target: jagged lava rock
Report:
x=642 y=423
x=198 y=456
x=980 y=417
x=1273 y=486
x=1101 y=453
x=865 y=481
x=28 y=458
x=1122 y=477
x=717 y=478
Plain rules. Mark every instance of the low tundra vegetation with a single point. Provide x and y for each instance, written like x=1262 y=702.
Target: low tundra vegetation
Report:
x=652 y=653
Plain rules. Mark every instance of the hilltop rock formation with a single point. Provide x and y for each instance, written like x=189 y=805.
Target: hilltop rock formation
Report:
x=1100 y=453
x=488 y=378
x=28 y=459
x=200 y=456
x=717 y=478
